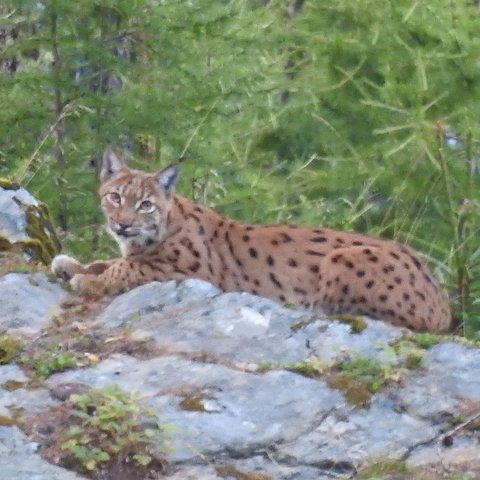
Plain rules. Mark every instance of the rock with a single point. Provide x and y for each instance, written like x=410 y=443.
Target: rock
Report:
x=195 y=316
x=19 y=459
x=331 y=340
x=17 y=399
x=28 y=302
x=11 y=372
x=362 y=436
x=25 y=224
x=195 y=473
x=250 y=469
x=154 y=297
x=463 y=456
x=238 y=326
x=450 y=376
x=269 y=409
x=217 y=370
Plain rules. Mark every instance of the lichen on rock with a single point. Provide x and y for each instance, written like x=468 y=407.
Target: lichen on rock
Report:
x=6 y=184
x=25 y=224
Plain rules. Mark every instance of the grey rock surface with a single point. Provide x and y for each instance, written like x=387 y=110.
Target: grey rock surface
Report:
x=20 y=398
x=13 y=222
x=240 y=326
x=25 y=225
x=19 y=459
x=220 y=375
x=362 y=436
x=143 y=301
x=450 y=376
x=28 y=302
x=242 y=410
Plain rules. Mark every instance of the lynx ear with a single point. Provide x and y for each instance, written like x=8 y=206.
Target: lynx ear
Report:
x=111 y=164
x=167 y=178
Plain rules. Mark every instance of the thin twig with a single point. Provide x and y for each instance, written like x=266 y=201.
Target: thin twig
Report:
x=460 y=426
x=21 y=175
x=194 y=134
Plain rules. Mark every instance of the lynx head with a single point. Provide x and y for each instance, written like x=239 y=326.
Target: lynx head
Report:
x=136 y=204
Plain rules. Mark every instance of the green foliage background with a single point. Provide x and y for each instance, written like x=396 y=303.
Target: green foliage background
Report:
x=358 y=114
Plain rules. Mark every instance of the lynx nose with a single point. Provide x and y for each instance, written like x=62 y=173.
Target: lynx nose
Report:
x=122 y=228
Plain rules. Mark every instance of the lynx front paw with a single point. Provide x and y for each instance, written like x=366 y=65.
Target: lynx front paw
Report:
x=87 y=284
x=65 y=267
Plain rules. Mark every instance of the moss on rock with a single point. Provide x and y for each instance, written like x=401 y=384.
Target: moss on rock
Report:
x=7 y=184
x=42 y=243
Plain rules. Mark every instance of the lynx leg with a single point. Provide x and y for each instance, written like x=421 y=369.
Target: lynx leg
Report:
x=97 y=268
x=65 y=267
x=120 y=275
x=88 y=283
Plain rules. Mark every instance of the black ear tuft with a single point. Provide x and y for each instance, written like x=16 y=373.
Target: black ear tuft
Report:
x=167 y=178
x=111 y=164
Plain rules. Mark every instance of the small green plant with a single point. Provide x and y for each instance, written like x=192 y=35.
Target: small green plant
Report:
x=357 y=323
x=263 y=367
x=371 y=373
x=109 y=425
x=456 y=419
x=57 y=363
x=409 y=352
x=9 y=348
x=382 y=469
x=461 y=476
x=425 y=339
x=313 y=367
x=414 y=359
x=50 y=361
x=57 y=320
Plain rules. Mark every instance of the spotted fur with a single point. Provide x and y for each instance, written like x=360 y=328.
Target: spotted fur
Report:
x=164 y=236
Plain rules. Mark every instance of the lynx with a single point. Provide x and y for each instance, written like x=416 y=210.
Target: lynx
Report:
x=163 y=236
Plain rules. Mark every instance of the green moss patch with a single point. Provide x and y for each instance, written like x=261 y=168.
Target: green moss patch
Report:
x=10 y=347
x=357 y=324
x=43 y=243
x=7 y=184
x=383 y=469
x=358 y=378
x=230 y=471
x=194 y=403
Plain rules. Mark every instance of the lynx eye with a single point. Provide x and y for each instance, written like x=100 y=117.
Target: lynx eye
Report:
x=146 y=206
x=114 y=197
